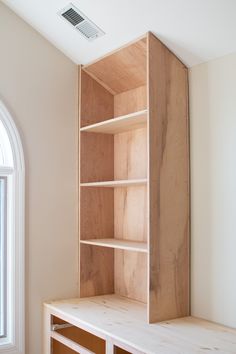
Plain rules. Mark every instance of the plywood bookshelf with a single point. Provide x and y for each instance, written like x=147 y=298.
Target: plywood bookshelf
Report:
x=134 y=178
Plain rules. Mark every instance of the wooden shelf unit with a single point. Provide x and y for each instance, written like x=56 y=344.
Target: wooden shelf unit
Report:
x=134 y=178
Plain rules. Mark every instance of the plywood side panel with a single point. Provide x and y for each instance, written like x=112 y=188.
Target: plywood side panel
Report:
x=130 y=213
x=131 y=275
x=96 y=157
x=96 y=213
x=96 y=102
x=130 y=101
x=169 y=185
x=122 y=70
x=130 y=154
x=96 y=270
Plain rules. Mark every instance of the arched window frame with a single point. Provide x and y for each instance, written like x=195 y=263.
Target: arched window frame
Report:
x=13 y=342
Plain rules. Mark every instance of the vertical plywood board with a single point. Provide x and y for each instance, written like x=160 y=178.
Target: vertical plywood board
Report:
x=131 y=275
x=96 y=213
x=130 y=213
x=96 y=270
x=130 y=101
x=96 y=157
x=130 y=154
x=97 y=104
x=169 y=184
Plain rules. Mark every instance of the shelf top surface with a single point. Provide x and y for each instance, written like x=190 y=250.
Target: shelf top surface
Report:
x=117 y=183
x=117 y=125
x=125 y=320
x=117 y=243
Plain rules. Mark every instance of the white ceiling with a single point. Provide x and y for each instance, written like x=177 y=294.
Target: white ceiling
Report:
x=196 y=30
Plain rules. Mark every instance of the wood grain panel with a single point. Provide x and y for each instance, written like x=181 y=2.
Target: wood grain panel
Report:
x=131 y=275
x=96 y=157
x=130 y=101
x=122 y=70
x=96 y=270
x=130 y=213
x=169 y=184
x=96 y=213
x=130 y=154
x=96 y=103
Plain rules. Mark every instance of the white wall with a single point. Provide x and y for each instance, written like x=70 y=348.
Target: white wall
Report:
x=213 y=164
x=38 y=84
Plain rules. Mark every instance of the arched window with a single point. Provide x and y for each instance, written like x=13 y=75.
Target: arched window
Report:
x=12 y=176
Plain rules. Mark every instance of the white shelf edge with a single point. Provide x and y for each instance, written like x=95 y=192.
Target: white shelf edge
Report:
x=118 y=244
x=118 y=183
x=113 y=121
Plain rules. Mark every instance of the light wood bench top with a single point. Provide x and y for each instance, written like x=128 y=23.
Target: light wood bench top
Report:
x=125 y=320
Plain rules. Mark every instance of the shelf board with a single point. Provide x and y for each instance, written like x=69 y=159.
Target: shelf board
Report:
x=118 y=244
x=121 y=183
x=120 y=124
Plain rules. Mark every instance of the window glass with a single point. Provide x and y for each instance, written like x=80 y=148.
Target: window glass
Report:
x=3 y=256
x=6 y=158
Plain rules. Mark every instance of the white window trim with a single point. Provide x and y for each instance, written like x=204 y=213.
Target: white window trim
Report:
x=15 y=341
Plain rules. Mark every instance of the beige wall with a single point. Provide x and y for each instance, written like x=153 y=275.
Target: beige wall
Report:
x=213 y=164
x=38 y=85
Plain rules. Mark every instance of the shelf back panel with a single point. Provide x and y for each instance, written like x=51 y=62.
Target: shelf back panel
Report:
x=130 y=154
x=130 y=213
x=131 y=275
x=130 y=101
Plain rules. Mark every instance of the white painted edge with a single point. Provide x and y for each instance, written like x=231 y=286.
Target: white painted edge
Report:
x=16 y=339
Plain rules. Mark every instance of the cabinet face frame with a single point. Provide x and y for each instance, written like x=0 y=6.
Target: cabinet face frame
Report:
x=165 y=97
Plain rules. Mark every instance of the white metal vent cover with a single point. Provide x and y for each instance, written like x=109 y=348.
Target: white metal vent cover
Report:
x=82 y=23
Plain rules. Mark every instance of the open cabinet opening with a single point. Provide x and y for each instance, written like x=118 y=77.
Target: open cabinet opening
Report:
x=118 y=350
x=113 y=175
x=75 y=336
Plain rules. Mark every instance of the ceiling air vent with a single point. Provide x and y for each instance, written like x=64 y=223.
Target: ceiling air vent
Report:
x=82 y=23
